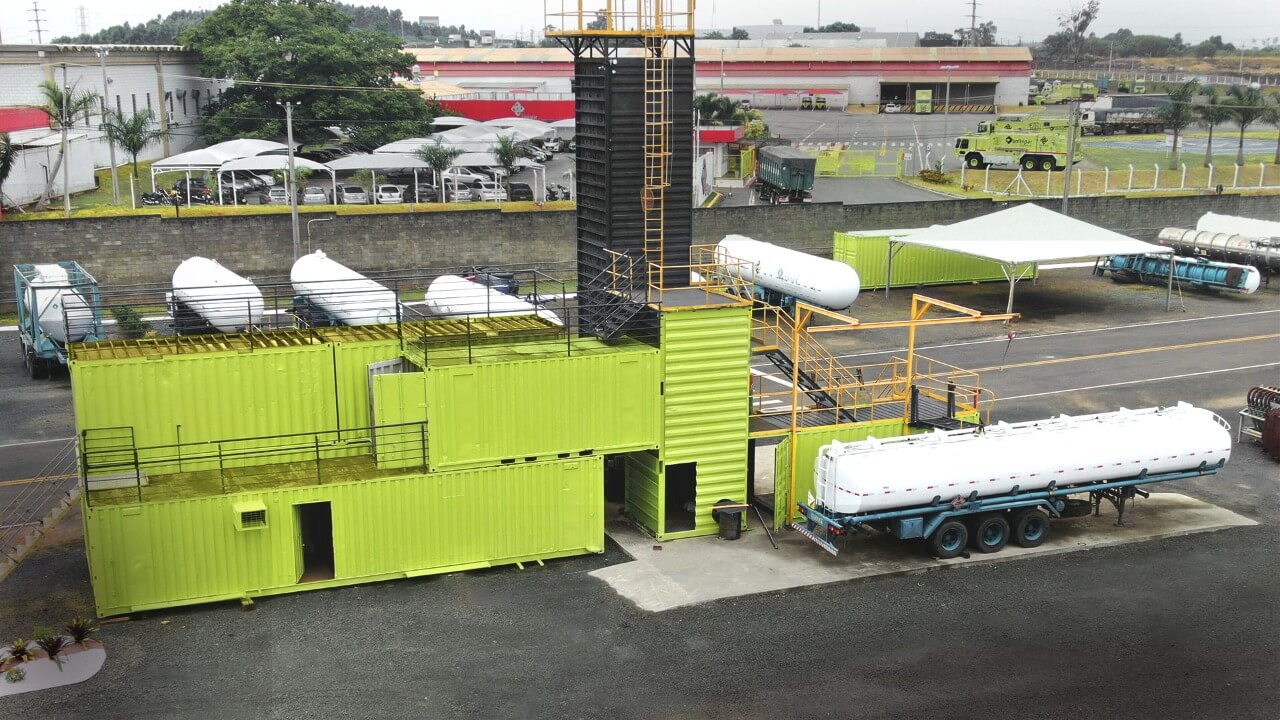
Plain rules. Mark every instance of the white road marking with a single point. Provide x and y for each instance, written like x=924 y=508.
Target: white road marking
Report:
x=36 y=442
x=1137 y=382
x=820 y=126
x=1060 y=334
x=774 y=378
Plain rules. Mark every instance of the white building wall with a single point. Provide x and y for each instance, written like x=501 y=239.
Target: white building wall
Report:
x=1013 y=90
x=26 y=179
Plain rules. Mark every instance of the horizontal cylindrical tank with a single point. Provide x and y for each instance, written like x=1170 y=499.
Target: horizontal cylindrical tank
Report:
x=64 y=315
x=1235 y=225
x=347 y=296
x=454 y=296
x=876 y=475
x=1193 y=270
x=1260 y=252
x=227 y=301
x=825 y=283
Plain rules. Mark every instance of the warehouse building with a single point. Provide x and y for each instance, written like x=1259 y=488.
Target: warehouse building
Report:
x=856 y=77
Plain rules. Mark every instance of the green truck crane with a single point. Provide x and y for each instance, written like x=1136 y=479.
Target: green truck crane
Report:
x=1059 y=93
x=1029 y=142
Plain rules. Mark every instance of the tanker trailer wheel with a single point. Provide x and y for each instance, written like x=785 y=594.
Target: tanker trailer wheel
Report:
x=949 y=539
x=974 y=161
x=1029 y=162
x=1046 y=164
x=990 y=533
x=1030 y=528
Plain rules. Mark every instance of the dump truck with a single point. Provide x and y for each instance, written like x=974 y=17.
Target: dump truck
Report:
x=1059 y=93
x=1029 y=143
x=58 y=303
x=785 y=175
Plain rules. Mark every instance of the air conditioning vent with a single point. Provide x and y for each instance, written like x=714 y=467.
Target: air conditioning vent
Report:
x=250 y=515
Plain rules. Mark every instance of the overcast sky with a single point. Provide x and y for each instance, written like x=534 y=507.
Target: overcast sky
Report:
x=1238 y=21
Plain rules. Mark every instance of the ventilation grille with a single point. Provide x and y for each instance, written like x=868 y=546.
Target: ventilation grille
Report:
x=250 y=515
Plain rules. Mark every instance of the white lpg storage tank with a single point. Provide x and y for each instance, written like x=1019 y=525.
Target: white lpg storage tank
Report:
x=64 y=315
x=1235 y=225
x=790 y=273
x=228 y=302
x=345 y=295
x=455 y=296
x=903 y=472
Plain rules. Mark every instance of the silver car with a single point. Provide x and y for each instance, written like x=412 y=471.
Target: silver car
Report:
x=353 y=195
x=313 y=195
x=388 y=194
x=278 y=196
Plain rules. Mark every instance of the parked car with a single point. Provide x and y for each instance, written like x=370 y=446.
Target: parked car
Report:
x=554 y=145
x=488 y=191
x=197 y=183
x=424 y=193
x=388 y=194
x=744 y=104
x=573 y=145
x=458 y=193
x=462 y=176
x=353 y=195
x=313 y=195
x=520 y=191
x=892 y=108
x=277 y=196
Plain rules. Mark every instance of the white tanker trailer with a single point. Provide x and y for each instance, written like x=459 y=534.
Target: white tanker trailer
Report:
x=1005 y=481
x=1235 y=225
x=207 y=296
x=57 y=304
x=454 y=296
x=334 y=294
x=782 y=276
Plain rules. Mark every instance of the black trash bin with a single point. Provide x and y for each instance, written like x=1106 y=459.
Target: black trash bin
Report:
x=729 y=515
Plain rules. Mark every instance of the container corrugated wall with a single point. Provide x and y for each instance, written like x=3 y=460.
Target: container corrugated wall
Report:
x=190 y=551
x=491 y=412
x=912 y=265
x=706 y=399
x=810 y=440
x=644 y=489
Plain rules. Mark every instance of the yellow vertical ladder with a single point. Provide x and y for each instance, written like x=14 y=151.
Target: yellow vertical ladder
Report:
x=657 y=141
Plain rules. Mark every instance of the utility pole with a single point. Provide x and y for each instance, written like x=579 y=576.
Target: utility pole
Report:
x=111 y=146
x=66 y=161
x=1071 y=154
x=946 y=115
x=35 y=12
x=82 y=20
x=973 y=23
x=291 y=182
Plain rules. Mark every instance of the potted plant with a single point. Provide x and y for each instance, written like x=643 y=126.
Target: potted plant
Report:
x=79 y=629
x=51 y=643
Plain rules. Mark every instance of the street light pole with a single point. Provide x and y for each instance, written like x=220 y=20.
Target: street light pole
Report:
x=66 y=161
x=111 y=146
x=946 y=116
x=291 y=183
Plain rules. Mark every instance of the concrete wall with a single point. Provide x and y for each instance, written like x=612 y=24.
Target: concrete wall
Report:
x=122 y=251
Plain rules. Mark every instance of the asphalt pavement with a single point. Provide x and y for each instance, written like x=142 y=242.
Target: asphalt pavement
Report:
x=1180 y=627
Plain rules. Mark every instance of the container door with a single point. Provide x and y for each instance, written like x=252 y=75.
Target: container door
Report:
x=384 y=367
x=315 y=541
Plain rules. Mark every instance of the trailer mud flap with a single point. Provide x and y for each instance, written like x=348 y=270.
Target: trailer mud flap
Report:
x=820 y=542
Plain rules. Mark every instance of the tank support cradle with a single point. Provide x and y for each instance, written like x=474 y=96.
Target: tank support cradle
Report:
x=1117 y=498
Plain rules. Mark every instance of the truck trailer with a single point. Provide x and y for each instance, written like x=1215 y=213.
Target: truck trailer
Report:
x=785 y=175
x=58 y=303
x=1125 y=114
x=1005 y=482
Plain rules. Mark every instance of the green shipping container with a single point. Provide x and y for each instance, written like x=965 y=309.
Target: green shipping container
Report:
x=867 y=251
x=224 y=547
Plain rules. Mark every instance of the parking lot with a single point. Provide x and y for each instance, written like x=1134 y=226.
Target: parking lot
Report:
x=1180 y=627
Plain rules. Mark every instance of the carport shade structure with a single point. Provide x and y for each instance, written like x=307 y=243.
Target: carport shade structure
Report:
x=271 y=162
x=1022 y=237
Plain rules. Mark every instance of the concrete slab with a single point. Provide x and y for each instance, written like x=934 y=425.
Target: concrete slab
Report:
x=697 y=570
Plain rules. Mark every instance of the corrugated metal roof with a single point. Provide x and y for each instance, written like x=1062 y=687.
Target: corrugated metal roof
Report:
x=913 y=54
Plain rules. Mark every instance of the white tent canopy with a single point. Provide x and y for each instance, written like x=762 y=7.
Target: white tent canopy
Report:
x=211 y=159
x=377 y=161
x=1022 y=237
x=1235 y=225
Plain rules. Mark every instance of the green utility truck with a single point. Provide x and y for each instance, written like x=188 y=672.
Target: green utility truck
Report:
x=1017 y=140
x=1059 y=93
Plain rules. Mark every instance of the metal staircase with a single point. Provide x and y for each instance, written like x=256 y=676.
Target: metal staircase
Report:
x=37 y=506
x=808 y=384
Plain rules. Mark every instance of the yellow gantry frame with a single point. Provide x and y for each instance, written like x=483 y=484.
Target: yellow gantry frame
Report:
x=671 y=18
x=920 y=304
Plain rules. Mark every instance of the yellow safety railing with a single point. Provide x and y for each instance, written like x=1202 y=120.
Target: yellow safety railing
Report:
x=615 y=18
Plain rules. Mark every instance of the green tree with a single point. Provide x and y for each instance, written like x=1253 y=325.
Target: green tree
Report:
x=507 y=151
x=713 y=35
x=1212 y=114
x=438 y=157
x=1074 y=26
x=739 y=34
x=308 y=54
x=132 y=134
x=835 y=27
x=1178 y=114
x=63 y=107
x=1272 y=115
x=1247 y=106
x=8 y=153
x=716 y=109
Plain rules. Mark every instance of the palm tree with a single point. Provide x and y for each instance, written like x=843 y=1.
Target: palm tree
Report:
x=63 y=109
x=1272 y=115
x=1212 y=113
x=7 y=154
x=719 y=110
x=1247 y=106
x=438 y=157
x=1178 y=114
x=132 y=134
x=508 y=152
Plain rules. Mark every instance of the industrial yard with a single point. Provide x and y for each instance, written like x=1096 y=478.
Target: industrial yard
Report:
x=1181 y=614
